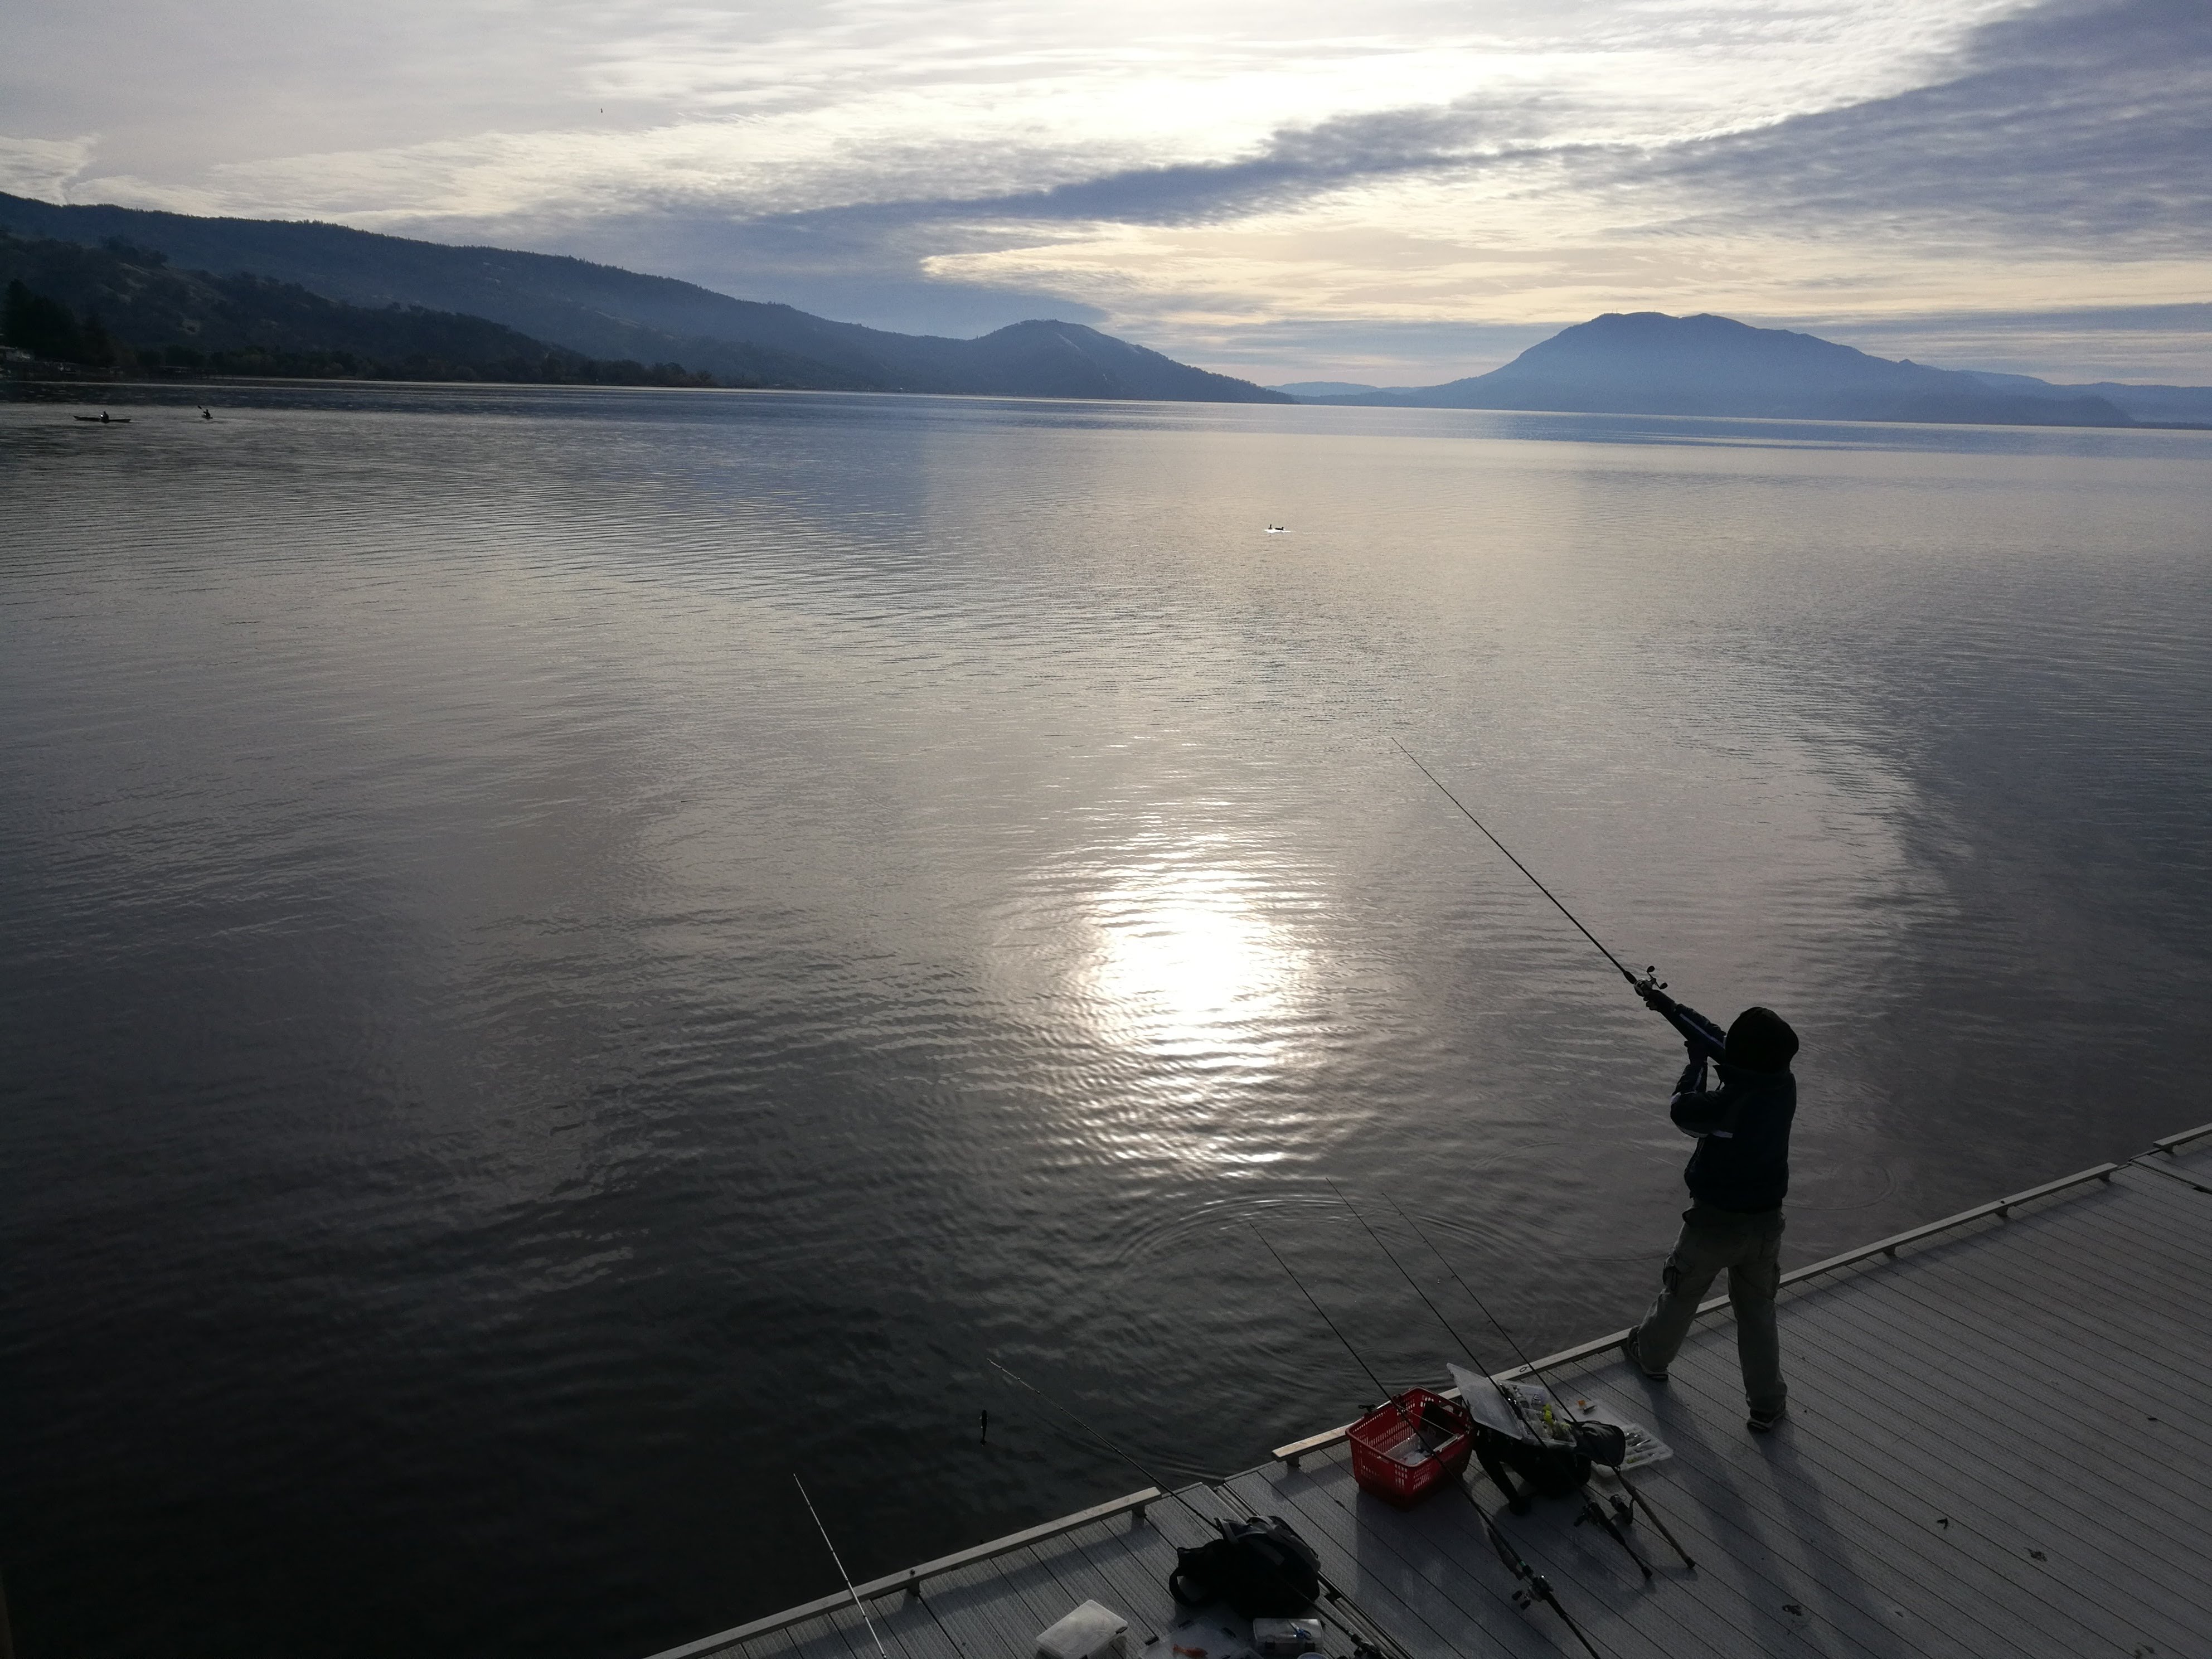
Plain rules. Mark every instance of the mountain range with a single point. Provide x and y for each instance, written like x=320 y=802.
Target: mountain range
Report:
x=119 y=307
x=248 y=295
x=604 y=313
x=1646 y=362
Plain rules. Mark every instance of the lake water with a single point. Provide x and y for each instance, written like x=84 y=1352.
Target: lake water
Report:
x=568 y=955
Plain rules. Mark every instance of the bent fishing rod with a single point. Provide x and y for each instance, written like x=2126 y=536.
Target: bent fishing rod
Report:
x=1592 y=1510
x=1635 y=1495
x=1648 y=985
x=1363 y=1625
x=1539 y=1587
x=1621 y=967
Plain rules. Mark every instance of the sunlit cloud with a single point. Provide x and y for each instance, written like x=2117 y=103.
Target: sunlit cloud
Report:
x=43 y=167
x=1221 y=180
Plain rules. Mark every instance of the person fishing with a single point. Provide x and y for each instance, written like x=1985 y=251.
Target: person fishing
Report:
x=1737 y=1177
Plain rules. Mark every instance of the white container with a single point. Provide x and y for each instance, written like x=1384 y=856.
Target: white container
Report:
x=1287 y=1638
x=1091 y=1631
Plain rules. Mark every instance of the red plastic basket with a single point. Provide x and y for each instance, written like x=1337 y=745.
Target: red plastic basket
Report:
x=1404 y=1450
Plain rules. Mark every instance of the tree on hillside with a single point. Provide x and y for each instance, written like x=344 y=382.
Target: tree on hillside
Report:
x=101 y=348
x=42 y=326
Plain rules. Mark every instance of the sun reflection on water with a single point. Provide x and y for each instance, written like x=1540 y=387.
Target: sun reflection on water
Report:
x=1186 y=958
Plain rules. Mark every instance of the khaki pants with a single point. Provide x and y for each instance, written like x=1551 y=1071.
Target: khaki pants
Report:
x=1750 y=1248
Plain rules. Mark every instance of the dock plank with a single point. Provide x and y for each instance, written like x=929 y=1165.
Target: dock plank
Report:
x=994 y=1607
x=2065 y=1561
x=1860 y=1550
x=1979 y=1297
x=1999 y=1410
x=1912 y=1452
x=1383 y=1595
x=1999 y=1447
x=1718 y=1387
x=1132 y=1568
x=1443 y=1542
x=1789 y=1544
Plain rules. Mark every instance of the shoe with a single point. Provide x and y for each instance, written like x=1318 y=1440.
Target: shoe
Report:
x=1762 y=1420
x=1629 y=1351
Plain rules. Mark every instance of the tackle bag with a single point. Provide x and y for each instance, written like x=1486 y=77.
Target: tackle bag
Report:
x=1263 y=1569
x=1516 y=1430
x=1601 y=1443
x=1551 y=1470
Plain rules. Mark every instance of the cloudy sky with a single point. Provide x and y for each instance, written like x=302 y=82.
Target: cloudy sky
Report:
x=1399 y=191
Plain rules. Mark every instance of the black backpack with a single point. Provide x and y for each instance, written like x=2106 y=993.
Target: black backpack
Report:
x=1261 y=1568
x=1552 y=1469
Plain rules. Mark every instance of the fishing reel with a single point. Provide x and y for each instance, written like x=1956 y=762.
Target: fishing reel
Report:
x=1650 y=984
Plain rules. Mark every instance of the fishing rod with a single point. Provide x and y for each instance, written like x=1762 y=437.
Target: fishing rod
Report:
x=1592 y=1510
x=1621 y=967
x=1365 y=1628
x=1635 y=1496
x=1511 y=1401
x=840 y=1561
x=1380 y=1387
x=1706 y=1041
x=1539 y=1587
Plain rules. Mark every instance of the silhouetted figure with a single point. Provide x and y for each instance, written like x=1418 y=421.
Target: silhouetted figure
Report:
x=1737 y=1179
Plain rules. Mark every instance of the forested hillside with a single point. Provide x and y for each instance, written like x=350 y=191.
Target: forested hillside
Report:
x=604 y=312
x=120 y=306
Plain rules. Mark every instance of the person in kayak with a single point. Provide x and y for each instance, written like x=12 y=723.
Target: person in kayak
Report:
x=1737 y=1178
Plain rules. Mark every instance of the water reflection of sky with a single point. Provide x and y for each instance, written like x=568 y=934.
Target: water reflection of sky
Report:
x=720 y=901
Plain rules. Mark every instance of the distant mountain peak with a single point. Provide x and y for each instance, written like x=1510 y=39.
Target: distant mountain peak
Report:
x=607 y=312
x=1647 y=362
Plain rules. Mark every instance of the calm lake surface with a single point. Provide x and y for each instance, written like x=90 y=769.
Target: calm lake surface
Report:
x=568 y=955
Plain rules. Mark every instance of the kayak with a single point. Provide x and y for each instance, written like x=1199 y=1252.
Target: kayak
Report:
x=104 y=420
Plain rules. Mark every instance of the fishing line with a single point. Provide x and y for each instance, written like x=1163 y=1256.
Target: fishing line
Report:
x=1512 y=1403
x=841 y=1573
x=1517 y=865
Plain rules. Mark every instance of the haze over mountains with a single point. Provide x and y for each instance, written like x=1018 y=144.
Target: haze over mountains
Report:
x=1648 y=363
x=602 y=311
x=297 y=297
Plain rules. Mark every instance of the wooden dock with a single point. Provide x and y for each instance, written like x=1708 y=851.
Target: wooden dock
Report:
x=1999 y=1443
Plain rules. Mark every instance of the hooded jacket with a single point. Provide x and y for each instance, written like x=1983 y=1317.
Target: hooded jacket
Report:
x=1742 y=1159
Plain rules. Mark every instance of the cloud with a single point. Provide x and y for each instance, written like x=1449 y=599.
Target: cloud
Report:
x=43 y=167
x=1229 y=188
x=821 y=107
x=1291 y=168
x=2081 y=128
